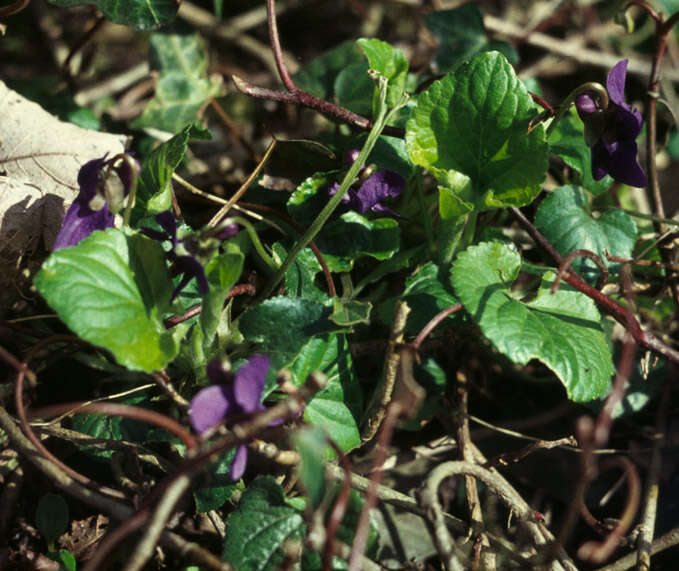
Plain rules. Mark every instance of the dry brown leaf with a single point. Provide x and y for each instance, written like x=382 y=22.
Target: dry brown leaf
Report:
x=40 y=157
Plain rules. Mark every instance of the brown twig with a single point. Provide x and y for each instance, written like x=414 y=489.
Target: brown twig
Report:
x=234 y=130
x=565 y=265
x=298 y=97
x=461 y=419
x=662 y=29
x=652 y=489
x=338 y=510
x=388 y=424
x=81 y=41
x=13 y=8
x=513 y=457
x=94 y=498
x=596 y=552
x=625 y=366
x=115 y=409
x=377 y=408
x=621 y=314
x=670 y=539
x=433 y=323
x=39 y=446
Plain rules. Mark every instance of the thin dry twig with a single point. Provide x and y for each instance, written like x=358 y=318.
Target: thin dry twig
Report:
x=670 y=539
x=156 y=524
x=376 y=410
x=566 y=49
x=647 y=528
x=597 y=552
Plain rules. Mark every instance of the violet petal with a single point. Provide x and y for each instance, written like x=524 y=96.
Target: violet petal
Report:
x=249 y=383
x=585 y=104
x=615 y=83
x=191 y=267
x=240 y=460
x=227 y=232
x=383 y=184
x=210 y=406
x=79 y=222
x=620 y=161
x=168 y=222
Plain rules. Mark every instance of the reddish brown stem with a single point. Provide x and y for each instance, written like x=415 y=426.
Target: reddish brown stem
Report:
x=568 y=260
x=276 y=47
x=338 y=510
x=298 y=97
x=596 y=552
x=13 y=8
x=362 y=528
x=28 y=432
x=605 y=420
x=116 y=409
x=622 y=315
x=433 y=323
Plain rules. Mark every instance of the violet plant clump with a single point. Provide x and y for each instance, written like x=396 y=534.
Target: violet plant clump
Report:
x=104 y=187
x=372 y=189
x=230 y=395
x=612 y=132
x=187 y=253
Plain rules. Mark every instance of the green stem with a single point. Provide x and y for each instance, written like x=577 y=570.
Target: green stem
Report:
x=426 y=219
x=256 y=242
x=131 y=197
x=562 y=109
x=383 y=116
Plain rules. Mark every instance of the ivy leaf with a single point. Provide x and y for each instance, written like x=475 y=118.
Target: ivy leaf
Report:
x=562 y=330
x=568 y=142
x=565 y=220
x=154 y=193
x=260 y=525
x=137 y=14
x=338 y=406
x=474 y=122
x=461 y=35
x=388 y=62
x=106 y=302
x=346 y=313
x=183 y=86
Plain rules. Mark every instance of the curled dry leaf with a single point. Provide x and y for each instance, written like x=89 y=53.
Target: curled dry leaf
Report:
x=40 y=157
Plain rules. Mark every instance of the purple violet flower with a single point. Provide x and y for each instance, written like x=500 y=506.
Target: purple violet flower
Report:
x=182 y=262
x=373 y=189
x=611 y=133
x=104 y=185
x=230 y=396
